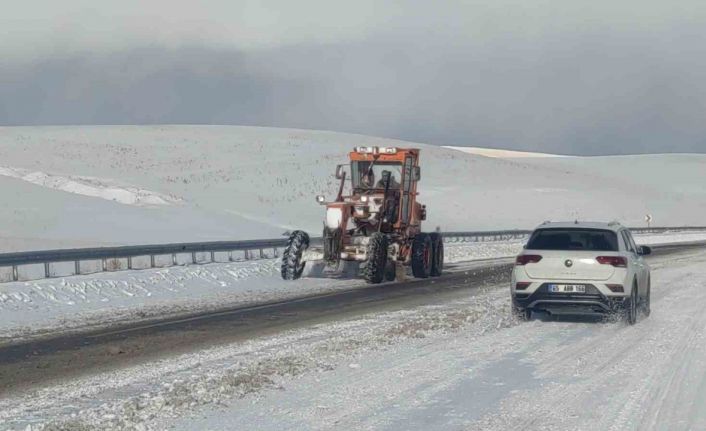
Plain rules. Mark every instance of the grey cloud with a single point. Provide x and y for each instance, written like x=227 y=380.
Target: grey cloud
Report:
x=584 y=93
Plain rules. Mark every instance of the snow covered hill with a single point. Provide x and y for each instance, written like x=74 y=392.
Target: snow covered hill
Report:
x=99 y=185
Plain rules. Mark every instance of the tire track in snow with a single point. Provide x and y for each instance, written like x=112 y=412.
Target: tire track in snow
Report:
x=624 y=373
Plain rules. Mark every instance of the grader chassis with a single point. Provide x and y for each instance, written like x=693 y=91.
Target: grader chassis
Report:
x=378 y=222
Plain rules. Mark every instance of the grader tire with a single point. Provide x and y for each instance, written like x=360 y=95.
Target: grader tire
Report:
x=374 y=270
x=292 y=265
x=437 y=259
x=422 y=255
x=390 y=271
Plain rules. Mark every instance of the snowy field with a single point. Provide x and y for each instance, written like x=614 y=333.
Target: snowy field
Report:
x=463 y=364
x=83 y=186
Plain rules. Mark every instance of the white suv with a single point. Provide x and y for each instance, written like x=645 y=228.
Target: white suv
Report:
x=579 y=268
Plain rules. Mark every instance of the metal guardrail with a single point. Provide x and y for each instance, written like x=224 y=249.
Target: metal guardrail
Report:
x=105 y=254
x=252 y=249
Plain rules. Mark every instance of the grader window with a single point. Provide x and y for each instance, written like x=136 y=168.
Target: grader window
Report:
x=368 y=175
x=406 y=201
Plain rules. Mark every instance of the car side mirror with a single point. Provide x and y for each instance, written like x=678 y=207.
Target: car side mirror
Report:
x=339 y=171
x=644 y=250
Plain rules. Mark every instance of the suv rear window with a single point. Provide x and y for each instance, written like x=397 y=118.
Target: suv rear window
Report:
x=573 y=239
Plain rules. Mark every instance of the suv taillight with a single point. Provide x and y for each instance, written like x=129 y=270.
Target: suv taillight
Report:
x=616 y=261
x=615 y=288
x=524 y=259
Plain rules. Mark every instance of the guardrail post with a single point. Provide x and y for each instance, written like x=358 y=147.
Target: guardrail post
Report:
x=77 y=267
x=193 y=257
x=213 y=257
x=230 y=256
x=15 y=274
x=246 y=254
x=129 y=263
x=262 y=254
x=275 y=252
x=46 y=270
x=104 y=264
x=174 y=260
x=151 y=261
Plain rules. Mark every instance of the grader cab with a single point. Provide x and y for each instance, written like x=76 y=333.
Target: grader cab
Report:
x=377 y=222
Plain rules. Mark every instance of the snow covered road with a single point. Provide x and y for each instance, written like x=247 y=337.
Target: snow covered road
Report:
x=541 y=375
x=455 y=362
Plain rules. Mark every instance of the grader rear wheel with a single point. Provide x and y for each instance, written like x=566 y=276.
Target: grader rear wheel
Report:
x=390 y=271
x=422 y=255
x=437 y=262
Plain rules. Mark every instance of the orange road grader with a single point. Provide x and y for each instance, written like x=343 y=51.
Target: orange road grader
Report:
x=378 y=223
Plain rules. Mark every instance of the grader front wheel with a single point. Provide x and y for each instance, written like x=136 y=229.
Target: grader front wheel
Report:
x=292 y=265
x=374 y=270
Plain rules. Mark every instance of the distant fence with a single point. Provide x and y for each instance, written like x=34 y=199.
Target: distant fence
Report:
x=161 y=255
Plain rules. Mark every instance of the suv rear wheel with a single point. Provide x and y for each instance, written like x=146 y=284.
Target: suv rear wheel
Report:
x=521 y=313
x=631 y=306
x=646 y=300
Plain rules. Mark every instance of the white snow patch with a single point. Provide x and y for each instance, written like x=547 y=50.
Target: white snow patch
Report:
x=90 y=186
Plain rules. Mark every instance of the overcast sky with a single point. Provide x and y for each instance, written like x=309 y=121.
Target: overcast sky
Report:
x=564 y=76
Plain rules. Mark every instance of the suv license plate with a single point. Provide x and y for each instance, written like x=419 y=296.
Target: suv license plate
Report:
x=567 y=288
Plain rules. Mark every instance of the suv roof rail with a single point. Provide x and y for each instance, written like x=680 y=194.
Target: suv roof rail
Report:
x=614 y=223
